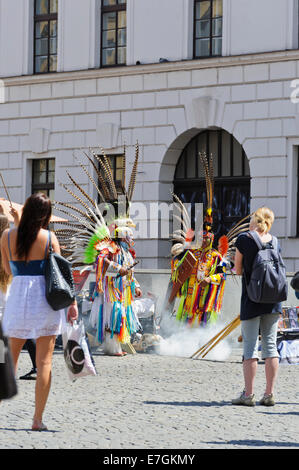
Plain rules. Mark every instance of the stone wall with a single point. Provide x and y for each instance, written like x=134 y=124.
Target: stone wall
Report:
x=162 y=106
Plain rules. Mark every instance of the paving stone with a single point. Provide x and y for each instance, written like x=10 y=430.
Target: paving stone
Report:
x=146 y=401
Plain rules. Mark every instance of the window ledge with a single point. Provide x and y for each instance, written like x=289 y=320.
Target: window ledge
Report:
x=183 y=65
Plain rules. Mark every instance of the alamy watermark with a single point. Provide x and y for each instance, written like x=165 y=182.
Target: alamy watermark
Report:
x=2 y=92
x=155 y=219
x=295 y=94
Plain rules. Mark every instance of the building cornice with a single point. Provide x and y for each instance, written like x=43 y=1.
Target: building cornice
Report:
x=143 y=69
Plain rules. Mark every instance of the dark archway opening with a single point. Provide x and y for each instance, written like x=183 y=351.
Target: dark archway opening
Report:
x=231 y=178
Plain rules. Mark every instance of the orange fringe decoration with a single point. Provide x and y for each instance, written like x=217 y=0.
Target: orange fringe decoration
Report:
x=223 y=245
x=189 y=235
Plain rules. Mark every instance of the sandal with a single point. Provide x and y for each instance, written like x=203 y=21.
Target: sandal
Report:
x=38 y=426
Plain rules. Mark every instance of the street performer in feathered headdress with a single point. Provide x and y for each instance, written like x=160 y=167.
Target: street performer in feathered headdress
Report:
x=102 y=238
x=198 y=269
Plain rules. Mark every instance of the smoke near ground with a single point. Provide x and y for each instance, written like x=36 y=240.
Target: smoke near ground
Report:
x=181 y=341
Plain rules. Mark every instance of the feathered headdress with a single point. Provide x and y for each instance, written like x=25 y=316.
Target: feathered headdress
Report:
x=184 y=237
x=93 y=226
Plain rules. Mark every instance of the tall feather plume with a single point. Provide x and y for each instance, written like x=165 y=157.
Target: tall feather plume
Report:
x=79 y=219
x=73 y=208
x=236 y=230
x=111 y=178
x=178 y=238
x=65 y=233
x=80 y=189
x=211 y=167
x=90 y=177
x=233 y=229
x=184 y=210
x=133 y=174
x=106 y=174
x=104 y=162
x=208 y=180
x=74 y=195
x=123 y=169
x=99 y=214
x=226 y=243
x=102 y=182
x=79 y=227
x=180 y=232
x=209 y=177
x=182 y=222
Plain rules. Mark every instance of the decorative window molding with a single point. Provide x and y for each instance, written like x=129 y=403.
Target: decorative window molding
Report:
x=108 y=134
x=39 y=140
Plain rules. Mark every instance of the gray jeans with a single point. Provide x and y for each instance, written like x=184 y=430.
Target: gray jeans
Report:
x=266 y=325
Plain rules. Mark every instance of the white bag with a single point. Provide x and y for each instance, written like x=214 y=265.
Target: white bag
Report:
x=144 y=308
x=77 y=356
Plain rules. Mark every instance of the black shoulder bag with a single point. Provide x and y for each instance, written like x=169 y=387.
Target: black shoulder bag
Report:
x=60 y=292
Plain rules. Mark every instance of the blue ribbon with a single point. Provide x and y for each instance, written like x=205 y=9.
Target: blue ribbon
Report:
x=100 y=325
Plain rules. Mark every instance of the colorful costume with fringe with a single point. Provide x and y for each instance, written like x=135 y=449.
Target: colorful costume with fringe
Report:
x=112 y=314
x=195 y=304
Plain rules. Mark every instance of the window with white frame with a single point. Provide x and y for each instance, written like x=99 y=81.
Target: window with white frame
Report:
x=45 y=36
x=43 y=176
x=208 y=16
x=113 y=33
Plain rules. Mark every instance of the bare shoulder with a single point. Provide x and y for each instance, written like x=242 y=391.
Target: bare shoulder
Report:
x=43 y=234
x=4 y=235
x=55 y=243
x=53 y=236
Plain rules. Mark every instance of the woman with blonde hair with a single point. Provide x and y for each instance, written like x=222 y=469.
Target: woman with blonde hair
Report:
x=5 y=278
x=257 y=318
x=27 y=314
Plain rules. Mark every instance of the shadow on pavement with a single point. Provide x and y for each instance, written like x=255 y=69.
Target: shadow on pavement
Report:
x=294 y=413
x=189 y=403
x=256 y=443
x=28 y=430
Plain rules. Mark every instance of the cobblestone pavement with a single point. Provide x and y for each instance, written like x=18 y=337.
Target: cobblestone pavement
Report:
x=146 y=401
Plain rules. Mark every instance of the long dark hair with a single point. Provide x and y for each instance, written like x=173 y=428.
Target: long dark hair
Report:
x=36 y=215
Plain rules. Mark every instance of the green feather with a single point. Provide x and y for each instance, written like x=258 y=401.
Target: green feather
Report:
x=90 y=253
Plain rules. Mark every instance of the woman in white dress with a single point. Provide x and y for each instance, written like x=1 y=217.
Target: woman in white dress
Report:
x=27 y=314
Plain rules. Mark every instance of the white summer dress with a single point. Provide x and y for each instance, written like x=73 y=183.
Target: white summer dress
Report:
x=27 y=314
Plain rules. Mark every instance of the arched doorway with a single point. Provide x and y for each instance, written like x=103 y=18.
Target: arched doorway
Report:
x=231 y=176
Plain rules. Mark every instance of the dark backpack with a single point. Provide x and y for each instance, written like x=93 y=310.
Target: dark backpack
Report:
x=268 y=282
